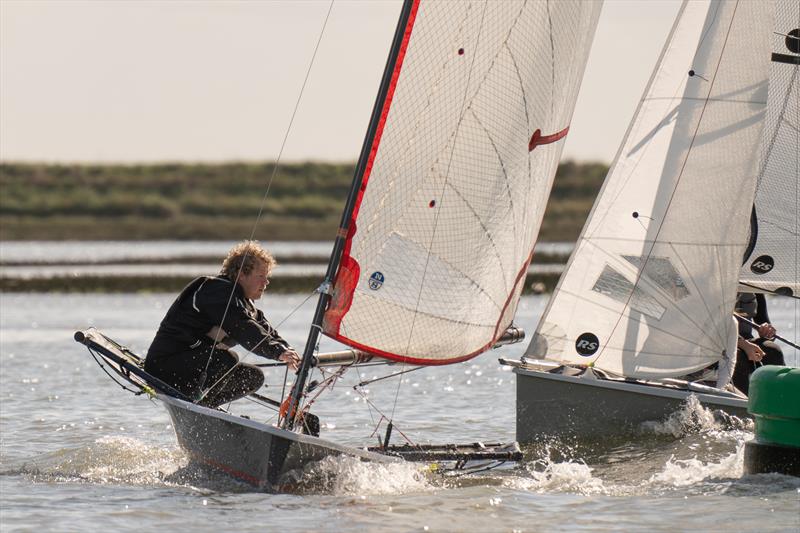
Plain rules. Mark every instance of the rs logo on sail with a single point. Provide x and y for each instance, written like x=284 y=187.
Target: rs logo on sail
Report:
x=762 y=264
x=587 y=344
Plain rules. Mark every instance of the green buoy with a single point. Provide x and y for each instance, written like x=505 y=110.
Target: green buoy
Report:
x=775 y=404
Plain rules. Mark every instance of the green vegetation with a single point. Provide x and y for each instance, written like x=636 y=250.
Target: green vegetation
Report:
x=203 y=201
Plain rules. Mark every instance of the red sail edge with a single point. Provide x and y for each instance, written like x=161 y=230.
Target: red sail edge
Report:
x=521 y=277
x=349 y=270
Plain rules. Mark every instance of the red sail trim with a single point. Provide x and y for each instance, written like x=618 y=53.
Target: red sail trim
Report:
x=349 y=269
x=538 y=139
x=521 y=276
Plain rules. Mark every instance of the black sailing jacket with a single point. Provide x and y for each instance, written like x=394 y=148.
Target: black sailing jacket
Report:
x=200 y=307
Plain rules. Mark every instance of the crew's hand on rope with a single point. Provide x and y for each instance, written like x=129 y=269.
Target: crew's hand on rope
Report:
x=766 y=331
x=291 y=358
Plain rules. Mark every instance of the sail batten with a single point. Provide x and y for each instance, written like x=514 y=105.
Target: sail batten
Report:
x=650 y=287
x=442 y=236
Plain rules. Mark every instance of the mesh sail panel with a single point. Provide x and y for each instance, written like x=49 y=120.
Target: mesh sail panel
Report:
x=650 y=287
x=455 y=192
x=772 y=263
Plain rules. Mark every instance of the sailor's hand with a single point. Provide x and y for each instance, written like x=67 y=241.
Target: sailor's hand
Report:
x=291 y=358
x=766 y=331
x=753 y=352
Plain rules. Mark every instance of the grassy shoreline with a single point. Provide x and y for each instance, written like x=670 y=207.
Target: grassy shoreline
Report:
x=218 y=202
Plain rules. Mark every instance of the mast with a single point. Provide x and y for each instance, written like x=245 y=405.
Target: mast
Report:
x=409 y=7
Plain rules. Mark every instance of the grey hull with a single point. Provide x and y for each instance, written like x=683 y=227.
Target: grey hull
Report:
x=556 y=405
x=256 y=453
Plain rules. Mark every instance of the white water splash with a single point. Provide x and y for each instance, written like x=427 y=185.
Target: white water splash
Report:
x=685 y=472
x=548 y=475
x=125 y=459
x=693 y=417
x=110 y=459
x=344 y=475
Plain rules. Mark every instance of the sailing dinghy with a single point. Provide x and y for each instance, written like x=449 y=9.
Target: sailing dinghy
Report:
x=438 y=230
x=649 y=291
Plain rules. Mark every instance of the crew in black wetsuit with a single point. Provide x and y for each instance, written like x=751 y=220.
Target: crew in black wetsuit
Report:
x=191 y=350
x=754 y=351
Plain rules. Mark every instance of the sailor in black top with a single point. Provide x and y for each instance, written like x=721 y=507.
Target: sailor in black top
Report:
x=752 y=350
x=191 y=350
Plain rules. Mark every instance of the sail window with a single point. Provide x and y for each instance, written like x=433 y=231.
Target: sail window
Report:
x=616 y=286
x=660 y=271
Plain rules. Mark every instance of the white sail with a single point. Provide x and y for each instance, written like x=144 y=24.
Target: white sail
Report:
x=461 y=167
x=650 y=287
x=772 y=259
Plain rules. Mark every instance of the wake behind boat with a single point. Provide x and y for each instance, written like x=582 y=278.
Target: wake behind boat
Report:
x=648 y=294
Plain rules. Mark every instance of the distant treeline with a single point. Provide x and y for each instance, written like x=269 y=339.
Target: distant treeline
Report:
x=219 y=201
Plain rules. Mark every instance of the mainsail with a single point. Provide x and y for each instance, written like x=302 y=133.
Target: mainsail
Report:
x=459 y=171
x=771 y=263
x=650 y=287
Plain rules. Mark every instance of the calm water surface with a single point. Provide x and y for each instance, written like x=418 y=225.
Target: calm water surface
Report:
x=77 y=452
x=102 y=251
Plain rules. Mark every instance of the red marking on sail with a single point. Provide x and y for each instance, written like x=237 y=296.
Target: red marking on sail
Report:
x=538 y=139
x=349 y=269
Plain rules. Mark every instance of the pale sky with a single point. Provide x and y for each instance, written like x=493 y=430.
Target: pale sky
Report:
x=211 y=81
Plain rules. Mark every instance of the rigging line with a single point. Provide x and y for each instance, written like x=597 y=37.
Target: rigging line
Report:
x=384 y=417
x=709 y=313
x=580 y=299
x=444 y=185
x=291 y=121
x=266 y=193
x=216 y=339
x=370 y=381
x=680 y=174
x=369 y=410
x=629 y=133
x=403 y=156
x=462 y=112
x=103 y=367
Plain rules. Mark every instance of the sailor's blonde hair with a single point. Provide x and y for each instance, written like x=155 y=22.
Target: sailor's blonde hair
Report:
x=244 y=257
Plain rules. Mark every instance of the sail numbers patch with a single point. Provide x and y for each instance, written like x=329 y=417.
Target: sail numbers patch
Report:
x=762 y=265
x=376 y=281
x=587 y=344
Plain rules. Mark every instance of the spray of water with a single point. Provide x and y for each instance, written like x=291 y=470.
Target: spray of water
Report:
x=109 y=459
x=694 y=418
x=343 y=475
